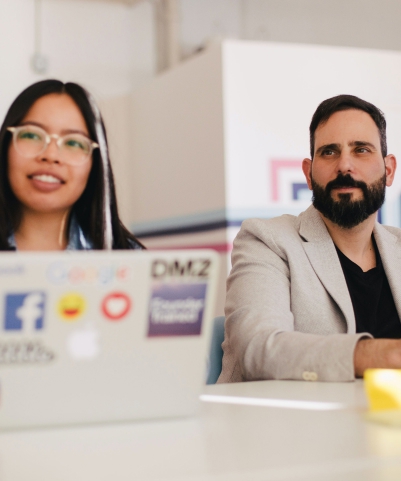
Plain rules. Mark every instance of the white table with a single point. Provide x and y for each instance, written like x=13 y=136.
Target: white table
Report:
x=232 y=442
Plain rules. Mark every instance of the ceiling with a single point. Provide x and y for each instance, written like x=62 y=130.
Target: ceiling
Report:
x=127 y=2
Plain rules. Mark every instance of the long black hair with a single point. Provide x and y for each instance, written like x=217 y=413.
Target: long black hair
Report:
x=96 y=210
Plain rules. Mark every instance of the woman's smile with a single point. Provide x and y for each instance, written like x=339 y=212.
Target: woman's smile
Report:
x=46 y=181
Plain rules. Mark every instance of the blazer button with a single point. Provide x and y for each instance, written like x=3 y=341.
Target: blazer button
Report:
x=309 y=376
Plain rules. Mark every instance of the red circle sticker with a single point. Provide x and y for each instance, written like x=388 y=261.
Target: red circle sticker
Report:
x=116 y=305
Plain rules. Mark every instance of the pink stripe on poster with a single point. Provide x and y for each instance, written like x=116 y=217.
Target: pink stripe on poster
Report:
x=275 y=166
x=222 y=248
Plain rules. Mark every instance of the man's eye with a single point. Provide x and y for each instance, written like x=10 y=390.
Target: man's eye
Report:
x=362 y=150
x=328 y=152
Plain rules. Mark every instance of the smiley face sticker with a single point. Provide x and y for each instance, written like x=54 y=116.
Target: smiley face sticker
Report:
x=116 y=306
x=71 y=306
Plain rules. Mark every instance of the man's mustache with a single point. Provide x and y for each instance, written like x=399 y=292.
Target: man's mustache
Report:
x=345 y=181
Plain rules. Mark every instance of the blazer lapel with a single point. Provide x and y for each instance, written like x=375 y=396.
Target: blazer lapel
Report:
x=390 y=253
x=322 y=254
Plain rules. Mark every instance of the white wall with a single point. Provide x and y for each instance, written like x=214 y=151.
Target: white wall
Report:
x=16 y=47
x=354 y=23
x=202 y=20
x=178 y=143
x=106 y=46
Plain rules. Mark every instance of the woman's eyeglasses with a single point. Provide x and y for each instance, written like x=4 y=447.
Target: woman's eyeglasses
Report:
x=31 y=141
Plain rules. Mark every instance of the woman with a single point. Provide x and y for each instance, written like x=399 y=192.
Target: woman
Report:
x=56 y=183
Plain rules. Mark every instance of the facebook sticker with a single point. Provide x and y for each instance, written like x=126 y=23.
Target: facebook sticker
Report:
x=24 y=312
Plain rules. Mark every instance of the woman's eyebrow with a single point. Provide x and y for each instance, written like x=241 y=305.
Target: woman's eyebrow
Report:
x=76 y=131
x=32 y=122
x=65 y=131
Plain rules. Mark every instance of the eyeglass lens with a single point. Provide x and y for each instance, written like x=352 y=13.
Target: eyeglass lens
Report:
x=31 y=141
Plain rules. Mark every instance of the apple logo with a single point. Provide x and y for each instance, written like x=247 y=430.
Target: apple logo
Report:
x=83 y=344
x=116 y=305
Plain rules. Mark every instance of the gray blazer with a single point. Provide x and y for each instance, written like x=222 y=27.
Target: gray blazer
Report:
x=288 y=309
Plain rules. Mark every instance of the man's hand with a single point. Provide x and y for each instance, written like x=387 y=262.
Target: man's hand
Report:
x=377 y=353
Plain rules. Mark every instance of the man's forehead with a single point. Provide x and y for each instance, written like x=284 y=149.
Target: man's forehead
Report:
x=347 y=126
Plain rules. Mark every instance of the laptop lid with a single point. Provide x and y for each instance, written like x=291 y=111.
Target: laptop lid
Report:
x=98 y=336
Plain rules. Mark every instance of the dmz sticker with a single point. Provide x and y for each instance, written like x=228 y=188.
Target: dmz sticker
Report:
x=24 y=311
x=176 y=309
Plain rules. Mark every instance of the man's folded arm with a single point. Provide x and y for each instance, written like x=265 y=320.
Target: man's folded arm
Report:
x=377 y=353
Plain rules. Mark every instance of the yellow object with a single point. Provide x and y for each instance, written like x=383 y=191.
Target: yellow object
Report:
x=383 y=388
x=71 y=306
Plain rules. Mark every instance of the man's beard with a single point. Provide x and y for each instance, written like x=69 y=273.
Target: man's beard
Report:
x=345 y=212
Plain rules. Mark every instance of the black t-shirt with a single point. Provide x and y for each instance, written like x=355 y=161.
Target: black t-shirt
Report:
x=371 y=298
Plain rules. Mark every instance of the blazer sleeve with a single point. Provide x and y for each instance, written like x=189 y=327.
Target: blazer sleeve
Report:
x=260 y=338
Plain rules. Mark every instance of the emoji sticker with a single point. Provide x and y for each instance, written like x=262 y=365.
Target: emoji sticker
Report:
x=116 y=305
x=71 y=306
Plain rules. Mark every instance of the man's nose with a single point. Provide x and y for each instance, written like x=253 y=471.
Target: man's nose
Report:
x=345 y=163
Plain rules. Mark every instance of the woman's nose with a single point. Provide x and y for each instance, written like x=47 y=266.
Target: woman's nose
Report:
x=51 y=152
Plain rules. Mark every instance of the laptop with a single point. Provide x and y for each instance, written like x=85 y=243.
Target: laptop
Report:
x=94 y=336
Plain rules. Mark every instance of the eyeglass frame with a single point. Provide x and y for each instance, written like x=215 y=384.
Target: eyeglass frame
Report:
x=48 y=138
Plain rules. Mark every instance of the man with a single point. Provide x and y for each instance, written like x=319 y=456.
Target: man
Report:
x=318 y=296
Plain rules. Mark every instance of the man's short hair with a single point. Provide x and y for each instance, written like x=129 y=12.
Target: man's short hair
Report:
x=347 y=102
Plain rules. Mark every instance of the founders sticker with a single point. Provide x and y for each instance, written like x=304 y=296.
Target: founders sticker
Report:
x=176 y=309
